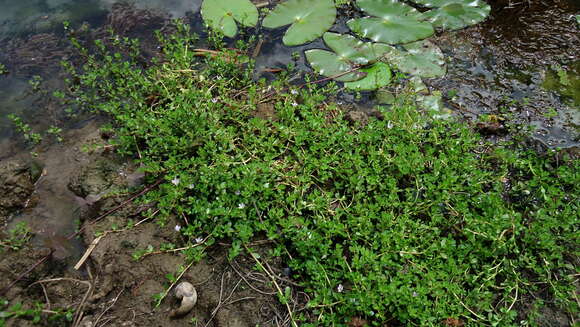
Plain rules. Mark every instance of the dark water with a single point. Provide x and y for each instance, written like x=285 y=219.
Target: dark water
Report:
x=521 y=65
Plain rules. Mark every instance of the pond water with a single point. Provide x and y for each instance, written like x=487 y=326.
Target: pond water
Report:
x=522 y=65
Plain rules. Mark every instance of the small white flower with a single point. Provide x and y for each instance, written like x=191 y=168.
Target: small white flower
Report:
x=190 y=186
x=294 y=104
x=241 y=206
x=237 y=192
x=340 y=288
x=294 y=92
x=390 y=125
x=214 y=100
x=199 y=240
x=175 y=181
x=415 y=294
x=177 y=228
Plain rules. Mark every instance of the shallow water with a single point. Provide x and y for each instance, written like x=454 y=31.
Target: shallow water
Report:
x=498 y=68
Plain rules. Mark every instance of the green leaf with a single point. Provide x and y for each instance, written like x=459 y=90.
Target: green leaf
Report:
x=378 y=75
x=223 y=14
x=350 y=48
x=309 y=19
x=387 y=8
x=394 y=30
x=329 y=64
x=455 y=14
x=422 y=58
x=393 y=22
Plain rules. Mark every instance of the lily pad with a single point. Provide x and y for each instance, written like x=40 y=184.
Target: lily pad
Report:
x=393 y=22
x=422 y=58
x=350 y=48
x=330 y=64
x=309 y=19
x=387 y=8
x=378 y=75
x=222 y=15
x=455 y=14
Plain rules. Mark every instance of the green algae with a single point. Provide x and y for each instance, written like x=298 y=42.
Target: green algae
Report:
x=565 y=82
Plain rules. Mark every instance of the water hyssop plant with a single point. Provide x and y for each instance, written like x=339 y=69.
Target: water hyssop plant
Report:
x=400 y=219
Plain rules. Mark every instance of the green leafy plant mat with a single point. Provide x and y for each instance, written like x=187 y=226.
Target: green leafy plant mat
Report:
x=403 y=220
x=222 y=15
x=309 y=19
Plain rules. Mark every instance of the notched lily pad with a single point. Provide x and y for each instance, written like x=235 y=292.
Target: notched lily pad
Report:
x=349 y=54
x=355 y=50
x=329 y=64
x=222 y=15
x=422 y=58
x=309 y=19
x=393 y=22
x=455 y=14
x=378 y=75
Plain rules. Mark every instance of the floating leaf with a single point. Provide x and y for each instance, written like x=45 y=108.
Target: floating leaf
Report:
x=455 y=14
x=329 y=64
x=417 y=85
x=394 y=22
x=422 y=58
x=378 y=75
x=350 y=48
x=309 y=19
x=434 y=104
x=223 y=14
x=387 y=8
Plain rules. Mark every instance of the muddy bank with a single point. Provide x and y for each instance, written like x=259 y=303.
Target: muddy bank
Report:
x=111 y=287
x=17 y=179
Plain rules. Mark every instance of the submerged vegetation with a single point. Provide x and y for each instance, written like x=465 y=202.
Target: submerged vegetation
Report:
x=394 y=218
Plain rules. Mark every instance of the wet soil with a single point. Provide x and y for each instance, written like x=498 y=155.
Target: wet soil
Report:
x=111 y=287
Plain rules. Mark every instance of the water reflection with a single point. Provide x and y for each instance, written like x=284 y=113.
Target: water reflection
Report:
x=40 y=16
